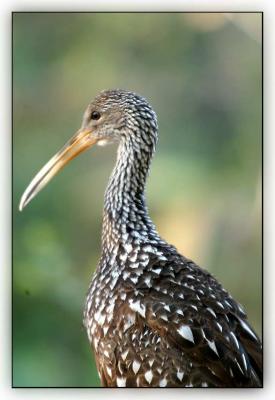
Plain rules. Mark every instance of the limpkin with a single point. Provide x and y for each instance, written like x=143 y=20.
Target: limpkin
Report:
x=153 y=317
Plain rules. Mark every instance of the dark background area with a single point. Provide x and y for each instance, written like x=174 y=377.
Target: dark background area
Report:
x=202 y=75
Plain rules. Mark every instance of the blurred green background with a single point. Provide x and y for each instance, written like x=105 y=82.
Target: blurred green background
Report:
x=202 y=75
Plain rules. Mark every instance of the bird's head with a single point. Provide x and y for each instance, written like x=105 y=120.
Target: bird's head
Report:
x=113 y=116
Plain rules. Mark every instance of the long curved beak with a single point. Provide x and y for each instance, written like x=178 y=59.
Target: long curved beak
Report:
x=80 y=142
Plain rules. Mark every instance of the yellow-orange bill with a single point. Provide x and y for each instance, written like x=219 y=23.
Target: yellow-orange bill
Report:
x=80 y=142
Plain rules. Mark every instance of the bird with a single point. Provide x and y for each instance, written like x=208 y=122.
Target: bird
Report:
x=154 y=318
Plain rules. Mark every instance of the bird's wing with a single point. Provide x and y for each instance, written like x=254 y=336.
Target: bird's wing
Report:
x=188 y=308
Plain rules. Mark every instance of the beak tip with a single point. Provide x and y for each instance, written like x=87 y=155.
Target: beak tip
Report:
x=22 y=204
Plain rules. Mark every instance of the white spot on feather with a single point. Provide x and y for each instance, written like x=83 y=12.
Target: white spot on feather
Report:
x=123 y=257
x=100 y=318
x=128 y=247
x=109 y=371
x=219 y=326
x=240 y=368
x=244 y=361
x=149 y=249
x=136 y=306
x=213 y=347
x=247 y=328
x=110 y=308
x=220 y=304
x=133 y=257
x=124 y=354
x=147 y=280
x=148 y=376
x=105 y=330
x=121 y=382
x=235 y=339
x=226 y=302
x=126 y=275
x=96 y=343
x=157 y=271
x=129 y=321
x=180 y=375
x=134 y=265
x=134 y=279
x=211 y=312
x=113 y=282
x=186 y=332
x=145 y=262
x=125 y=235
x=123 y=296
x=136 y=366
x=163 y=382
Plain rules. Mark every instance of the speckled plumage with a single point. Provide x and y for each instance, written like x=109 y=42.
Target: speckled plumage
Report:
x=153 y=317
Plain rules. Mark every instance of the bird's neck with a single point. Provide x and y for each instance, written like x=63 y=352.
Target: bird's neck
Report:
x=126 y=217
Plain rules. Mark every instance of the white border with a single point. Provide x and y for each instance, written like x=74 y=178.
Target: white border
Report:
x=5 y=174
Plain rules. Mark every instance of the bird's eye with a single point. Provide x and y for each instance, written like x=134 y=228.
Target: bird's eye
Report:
x=95 y=115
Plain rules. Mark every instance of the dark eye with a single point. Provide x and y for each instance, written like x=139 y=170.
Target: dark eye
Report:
x=95 y=115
